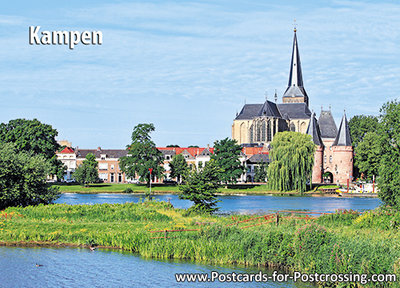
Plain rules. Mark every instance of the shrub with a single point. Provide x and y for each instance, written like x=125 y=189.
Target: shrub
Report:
x=128 y=190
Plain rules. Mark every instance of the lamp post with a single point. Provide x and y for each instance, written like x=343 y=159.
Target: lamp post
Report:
x=150 y=170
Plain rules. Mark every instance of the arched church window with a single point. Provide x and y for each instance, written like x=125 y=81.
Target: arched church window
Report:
x=325 y=159
x=269 y=135
x=263 y=131
x=258 y=128
x=292 y=127
x=251 y=132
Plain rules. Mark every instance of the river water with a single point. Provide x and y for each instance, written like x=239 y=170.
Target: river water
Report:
x=78 y=267
x=249 y=204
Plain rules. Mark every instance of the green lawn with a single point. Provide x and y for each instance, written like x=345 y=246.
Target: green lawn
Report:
x=161 y=188
x=339 y=243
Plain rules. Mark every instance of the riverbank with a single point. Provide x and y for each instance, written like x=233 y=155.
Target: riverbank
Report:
x=241 y=189
x=336 y=243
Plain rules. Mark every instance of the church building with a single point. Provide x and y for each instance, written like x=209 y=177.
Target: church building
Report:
x=256 y=125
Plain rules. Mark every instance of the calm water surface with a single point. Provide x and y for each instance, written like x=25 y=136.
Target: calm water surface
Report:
x=72 y=267
x=248 y=204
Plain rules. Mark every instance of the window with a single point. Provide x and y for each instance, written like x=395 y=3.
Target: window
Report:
x=325 y=159
x=112 y=177
x=167 y=157
x=103 y=176
x=330 y=159
x=103 y=166
x=103 y=156
x=263 y=130
x=292 y=127
x=259 y=128
x=119 y=177
x=112 y=166
x=269 y=134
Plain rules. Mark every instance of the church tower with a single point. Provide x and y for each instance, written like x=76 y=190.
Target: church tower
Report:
x=295 y=92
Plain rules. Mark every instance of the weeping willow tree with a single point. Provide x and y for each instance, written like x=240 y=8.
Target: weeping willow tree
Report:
x=292 y=161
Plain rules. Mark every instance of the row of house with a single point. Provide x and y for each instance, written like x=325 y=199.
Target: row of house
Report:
x=110 y=172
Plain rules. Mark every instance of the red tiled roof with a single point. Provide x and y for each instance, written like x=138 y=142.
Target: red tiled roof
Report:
x=249 y=151
x=67 y=150
x=192 y=150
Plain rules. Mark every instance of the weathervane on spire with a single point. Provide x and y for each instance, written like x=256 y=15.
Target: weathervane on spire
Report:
x=266 y=95
x=295 y=25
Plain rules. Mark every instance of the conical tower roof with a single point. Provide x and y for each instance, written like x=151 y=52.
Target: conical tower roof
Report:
x=343 y=136
x=313 y=130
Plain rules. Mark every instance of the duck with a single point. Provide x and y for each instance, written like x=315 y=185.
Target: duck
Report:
x=38 y=265
x=92 y=248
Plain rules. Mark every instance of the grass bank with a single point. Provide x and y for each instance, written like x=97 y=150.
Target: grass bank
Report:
x=166 y=189
x=339 y=243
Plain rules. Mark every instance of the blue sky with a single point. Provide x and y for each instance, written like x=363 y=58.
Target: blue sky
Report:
x=188 y=66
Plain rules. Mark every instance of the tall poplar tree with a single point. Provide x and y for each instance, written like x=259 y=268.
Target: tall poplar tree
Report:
x=292 y=161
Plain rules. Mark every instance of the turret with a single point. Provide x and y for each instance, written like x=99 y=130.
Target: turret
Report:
x=315 y=133
x=343 y=153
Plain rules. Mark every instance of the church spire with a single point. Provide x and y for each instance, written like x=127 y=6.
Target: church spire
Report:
x=295 y=87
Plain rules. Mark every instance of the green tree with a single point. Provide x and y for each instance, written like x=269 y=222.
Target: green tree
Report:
x=260 y=172
x=142 y=155
x=360 y=125
x=178 y=167
x=173 y=146
x=201 y=187
x=87 y=172
x=226 y=155
x=368 y=154
x=23 y=178
x=389 y=168
x=34 y=136
x=292 y=156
